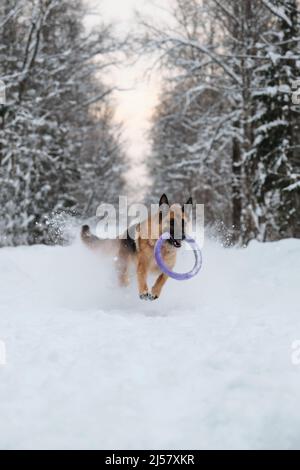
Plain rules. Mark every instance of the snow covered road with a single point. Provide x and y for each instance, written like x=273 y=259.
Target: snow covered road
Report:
x=209 y=365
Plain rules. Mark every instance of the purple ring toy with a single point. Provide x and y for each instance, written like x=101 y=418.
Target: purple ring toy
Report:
x=178 y=276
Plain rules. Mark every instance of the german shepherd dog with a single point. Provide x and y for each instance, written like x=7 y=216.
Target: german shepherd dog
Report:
x=138 y=247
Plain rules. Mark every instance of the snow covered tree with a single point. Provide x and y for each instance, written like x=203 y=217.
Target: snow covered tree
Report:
x=208 y=51
x=228 y=52
x=275 y=153
x=190 y=150
x=190 y=142
x=104 y=163
x=49 y=64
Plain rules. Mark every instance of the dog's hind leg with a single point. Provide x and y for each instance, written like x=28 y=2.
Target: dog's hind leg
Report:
x=123 y=267
x=124 y=279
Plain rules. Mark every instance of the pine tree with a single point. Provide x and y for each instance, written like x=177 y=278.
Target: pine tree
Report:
x=276 y=143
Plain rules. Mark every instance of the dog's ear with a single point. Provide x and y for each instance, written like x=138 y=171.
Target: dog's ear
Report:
x=164 y=200
x=164 y=207
x=187 y=207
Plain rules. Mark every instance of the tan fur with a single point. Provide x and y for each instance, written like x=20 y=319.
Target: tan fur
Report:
x=143 y=258
x=146 y=264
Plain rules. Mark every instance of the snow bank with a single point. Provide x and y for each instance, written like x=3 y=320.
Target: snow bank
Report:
x=207 y=366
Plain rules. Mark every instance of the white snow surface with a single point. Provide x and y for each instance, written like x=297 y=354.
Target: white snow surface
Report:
x=90 y=366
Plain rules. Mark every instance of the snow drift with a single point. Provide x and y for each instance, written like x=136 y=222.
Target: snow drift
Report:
x=207 y=366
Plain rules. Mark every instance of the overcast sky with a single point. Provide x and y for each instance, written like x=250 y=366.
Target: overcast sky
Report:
x=135 y=106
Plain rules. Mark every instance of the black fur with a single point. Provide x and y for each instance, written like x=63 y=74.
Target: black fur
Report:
x=129 y=243
x=85 y=229
x=164 y=200
x=88 y=237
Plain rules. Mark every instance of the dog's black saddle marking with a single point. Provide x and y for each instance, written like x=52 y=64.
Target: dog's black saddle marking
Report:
x=129 y=243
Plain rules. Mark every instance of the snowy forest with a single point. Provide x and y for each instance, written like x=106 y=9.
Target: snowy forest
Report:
x=226 y=129
x=149 y=342
x=60 y=150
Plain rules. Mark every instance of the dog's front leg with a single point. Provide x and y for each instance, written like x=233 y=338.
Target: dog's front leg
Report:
x=159 y=284
x=142 y=273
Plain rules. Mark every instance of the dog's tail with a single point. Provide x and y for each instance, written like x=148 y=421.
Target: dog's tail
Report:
x=107 y=246
x=89 y=238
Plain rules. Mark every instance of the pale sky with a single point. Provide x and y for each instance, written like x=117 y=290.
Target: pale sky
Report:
x=134 y=106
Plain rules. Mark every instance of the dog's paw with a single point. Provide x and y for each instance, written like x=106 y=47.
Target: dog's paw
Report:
x=144 y=296
x=153 y=297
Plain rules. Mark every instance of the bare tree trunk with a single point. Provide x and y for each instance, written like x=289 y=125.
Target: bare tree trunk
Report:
x=236 y=190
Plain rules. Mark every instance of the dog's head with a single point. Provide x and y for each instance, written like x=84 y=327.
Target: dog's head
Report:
x=174 y=219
